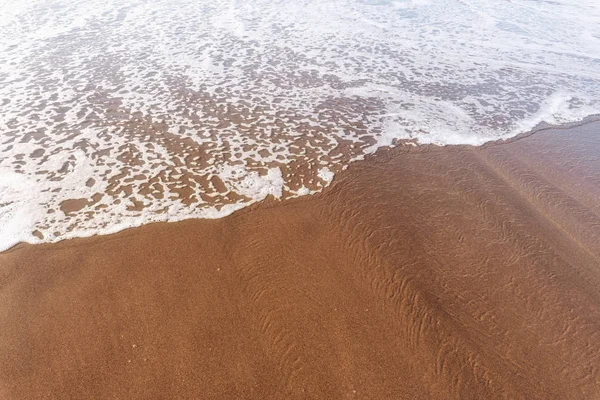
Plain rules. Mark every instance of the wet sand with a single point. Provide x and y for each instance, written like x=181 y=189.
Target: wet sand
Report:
x=421 y=273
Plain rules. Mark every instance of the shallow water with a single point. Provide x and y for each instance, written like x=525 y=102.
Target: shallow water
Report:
x=118 y=113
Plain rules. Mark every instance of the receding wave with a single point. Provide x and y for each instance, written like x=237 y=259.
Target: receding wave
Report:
x=118 y=113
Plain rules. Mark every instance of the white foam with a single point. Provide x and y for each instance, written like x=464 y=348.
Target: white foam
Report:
x=326 y=174
x=136 y=106
x=17 y=212
x=251 y=184
x=555 y=110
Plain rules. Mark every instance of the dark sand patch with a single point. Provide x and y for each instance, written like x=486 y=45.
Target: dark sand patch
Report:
x=428 y=273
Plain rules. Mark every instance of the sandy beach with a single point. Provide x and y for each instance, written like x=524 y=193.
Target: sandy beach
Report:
x=424 y=272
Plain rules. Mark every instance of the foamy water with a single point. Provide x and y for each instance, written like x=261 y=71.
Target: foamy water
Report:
x=118 y=113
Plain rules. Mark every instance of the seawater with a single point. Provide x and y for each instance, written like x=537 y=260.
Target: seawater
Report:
x=116 y=113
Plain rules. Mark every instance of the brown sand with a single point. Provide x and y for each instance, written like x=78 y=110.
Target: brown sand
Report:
x=433 y=273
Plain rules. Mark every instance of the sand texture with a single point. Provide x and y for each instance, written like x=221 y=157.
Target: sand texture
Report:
x=421 y=273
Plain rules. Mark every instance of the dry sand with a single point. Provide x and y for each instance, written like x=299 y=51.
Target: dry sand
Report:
x=422 y=273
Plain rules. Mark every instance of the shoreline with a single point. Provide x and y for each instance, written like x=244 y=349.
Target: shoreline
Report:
x=420 y=272
x=401 y=146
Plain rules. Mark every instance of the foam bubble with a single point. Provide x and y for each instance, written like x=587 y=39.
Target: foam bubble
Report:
x=18 y=213
x=326 y=174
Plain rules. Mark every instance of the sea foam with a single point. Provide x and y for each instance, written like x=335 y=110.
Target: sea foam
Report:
x=119 y=113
